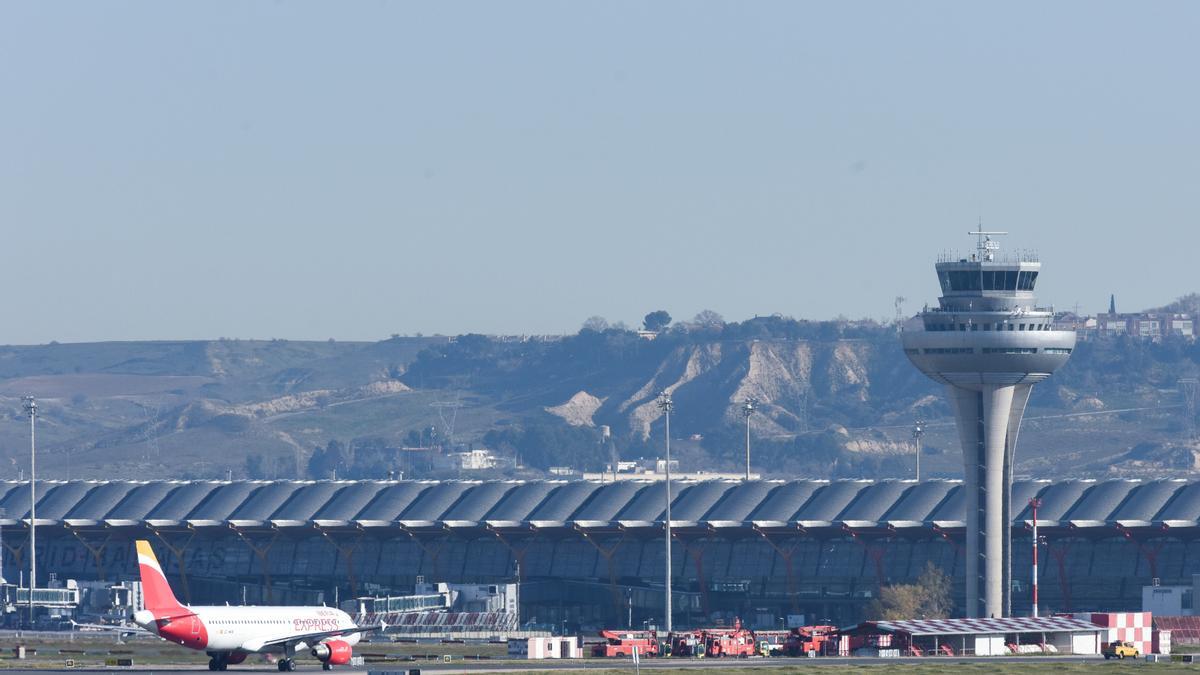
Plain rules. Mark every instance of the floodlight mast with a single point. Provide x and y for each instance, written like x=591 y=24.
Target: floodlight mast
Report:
x=31 y=409
x=917 y=432
x=667 y=405
x=748 y=409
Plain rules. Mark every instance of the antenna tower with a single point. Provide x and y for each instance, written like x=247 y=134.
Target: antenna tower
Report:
x=448 y=418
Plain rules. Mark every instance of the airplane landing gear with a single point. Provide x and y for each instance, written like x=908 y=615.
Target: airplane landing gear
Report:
x=325 y=665
x=286 y=665
x=217 y=663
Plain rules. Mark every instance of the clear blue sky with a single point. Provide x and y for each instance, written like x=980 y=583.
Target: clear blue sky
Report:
x=356 y=169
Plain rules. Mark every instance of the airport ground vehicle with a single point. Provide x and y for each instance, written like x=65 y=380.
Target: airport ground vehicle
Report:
x=1120 y=650
x=771 y=642
x=806 y=639
x=621 y=643
x=716 y=642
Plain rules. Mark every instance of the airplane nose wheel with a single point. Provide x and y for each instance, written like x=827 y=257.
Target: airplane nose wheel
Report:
x=286 y=665
x=216 y=663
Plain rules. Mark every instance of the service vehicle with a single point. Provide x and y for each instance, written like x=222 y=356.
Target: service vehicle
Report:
x=620 y=643
x=1120 y=650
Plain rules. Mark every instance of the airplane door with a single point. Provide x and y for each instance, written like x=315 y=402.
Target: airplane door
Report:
x=195 y=625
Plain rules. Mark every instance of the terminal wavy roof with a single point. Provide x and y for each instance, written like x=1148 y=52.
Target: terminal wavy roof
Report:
x=714 y=504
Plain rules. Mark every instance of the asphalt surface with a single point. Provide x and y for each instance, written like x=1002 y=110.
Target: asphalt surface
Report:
x=506 y=665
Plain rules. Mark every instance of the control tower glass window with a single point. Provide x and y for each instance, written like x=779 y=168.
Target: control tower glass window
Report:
x=1026 y=281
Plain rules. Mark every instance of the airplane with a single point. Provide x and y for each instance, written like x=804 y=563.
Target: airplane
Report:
x=228 y=634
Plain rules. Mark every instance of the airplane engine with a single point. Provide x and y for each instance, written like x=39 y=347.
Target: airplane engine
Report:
x=335 y=652
x=234 y=658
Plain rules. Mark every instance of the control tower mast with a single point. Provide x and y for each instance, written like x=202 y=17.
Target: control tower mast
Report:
x=989 y=343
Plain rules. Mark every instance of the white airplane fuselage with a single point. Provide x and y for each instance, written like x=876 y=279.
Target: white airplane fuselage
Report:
x=243 y=628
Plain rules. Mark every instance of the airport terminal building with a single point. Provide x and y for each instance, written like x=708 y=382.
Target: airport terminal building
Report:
x=590 y=553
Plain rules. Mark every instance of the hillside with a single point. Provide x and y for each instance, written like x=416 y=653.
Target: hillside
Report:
x=836 y=399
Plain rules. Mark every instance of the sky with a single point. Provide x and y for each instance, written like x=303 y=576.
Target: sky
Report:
x=298 y=170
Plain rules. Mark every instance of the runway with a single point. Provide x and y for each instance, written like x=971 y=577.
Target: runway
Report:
x=934 y=664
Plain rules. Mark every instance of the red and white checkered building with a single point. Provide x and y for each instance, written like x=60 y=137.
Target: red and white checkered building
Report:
x=1133 y=627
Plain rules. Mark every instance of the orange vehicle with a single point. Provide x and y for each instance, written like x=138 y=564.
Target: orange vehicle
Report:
x=807 y=639
x=687 y=643
x=736 y=641
x=621 y=643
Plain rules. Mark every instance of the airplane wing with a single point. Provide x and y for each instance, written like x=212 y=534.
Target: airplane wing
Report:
x=259 y=645
x=108 y=627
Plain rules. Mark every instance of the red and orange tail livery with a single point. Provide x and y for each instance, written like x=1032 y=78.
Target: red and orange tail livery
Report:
x=159 y=597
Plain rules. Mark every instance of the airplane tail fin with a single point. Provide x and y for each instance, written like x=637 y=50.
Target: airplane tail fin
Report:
x=155 y=588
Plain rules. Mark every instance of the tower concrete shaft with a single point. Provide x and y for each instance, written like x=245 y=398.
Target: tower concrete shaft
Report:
x=989 y=343
x=988 y=421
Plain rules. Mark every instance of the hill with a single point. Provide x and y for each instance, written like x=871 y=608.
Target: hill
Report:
x=837 y=399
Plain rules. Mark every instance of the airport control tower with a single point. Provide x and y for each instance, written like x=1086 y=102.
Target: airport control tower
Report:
x=989 y=343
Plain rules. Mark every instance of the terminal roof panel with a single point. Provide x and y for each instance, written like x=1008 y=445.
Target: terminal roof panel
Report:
x=477 y=501
x=181 y=501
x=872 y=502
x=392 y=501
x=1184 y=505
x=953 y=507
x=649 y=503
x=1102 y=500
x=10 y=500
x=920 y=501
x=1022 y=492
x=1059 y=498
x=58 y=499
x=784 y=502
x=437 y=500
x=607 y=501
x=306 y=499
x=520 y=502
x=349 y=500
x=564 y=501
x=140 y=501
x=1146 y=501
x=98 y=502
x=739 y=501
x=220 y=503
x=265 y=500
x=696 y=500
x=829 y=502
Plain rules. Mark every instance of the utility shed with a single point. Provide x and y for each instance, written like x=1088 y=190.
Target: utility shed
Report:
x=979 y=637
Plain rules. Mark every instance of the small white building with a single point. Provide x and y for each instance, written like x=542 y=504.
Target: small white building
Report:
x=545 y=648
x=477 y=460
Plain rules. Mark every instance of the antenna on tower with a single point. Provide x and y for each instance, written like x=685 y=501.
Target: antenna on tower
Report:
x=899 y=310
x=985 y=247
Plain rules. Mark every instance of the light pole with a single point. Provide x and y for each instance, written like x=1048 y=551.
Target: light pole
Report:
x=31 y=409
x=1034 y=504
x=748 y=409
x=667 y=405
x=917 y=432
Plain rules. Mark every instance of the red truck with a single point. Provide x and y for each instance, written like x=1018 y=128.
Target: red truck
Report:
x=807 y=639
x=621 y=643
x=735 y=642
